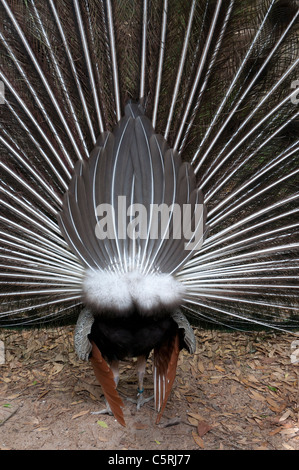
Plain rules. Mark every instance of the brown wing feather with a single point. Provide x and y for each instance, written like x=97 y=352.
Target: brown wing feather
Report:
x=165 y=364
x=105 y=377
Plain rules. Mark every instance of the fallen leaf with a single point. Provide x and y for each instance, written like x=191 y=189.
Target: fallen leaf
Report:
x=252 y=378
x=103 y=424
x=220 y=369
x=202 y=428
x=287 y=446
x=276 y=431
x=192 y=421
x=43 y=394
x=82 y=413
x=5 y=380
x=57 y=367
x=139 y=425
x=273 y=405
x=198 y=440
x=196 y=416
x=257 y=396
x=290 y=431
x=76 y=402
x=41 y=429
x=285 y=415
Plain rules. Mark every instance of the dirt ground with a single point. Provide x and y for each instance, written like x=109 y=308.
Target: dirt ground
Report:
x=239 y=391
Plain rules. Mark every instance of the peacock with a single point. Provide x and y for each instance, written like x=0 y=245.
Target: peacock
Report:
x=149 y=175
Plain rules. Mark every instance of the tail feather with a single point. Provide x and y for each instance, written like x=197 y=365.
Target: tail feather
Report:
x=216 y=80
x=165 y=365
x=106 y=379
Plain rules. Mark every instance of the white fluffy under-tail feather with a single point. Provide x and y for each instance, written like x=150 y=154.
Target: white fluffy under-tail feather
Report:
x=120 y=292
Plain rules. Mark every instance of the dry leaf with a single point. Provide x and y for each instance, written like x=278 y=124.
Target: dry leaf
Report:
x=287 y=446
x=198 y=440
x=192 y=421
x=273 y=405
x=276 y=431
x=252 y=378
x=203 y=427
x=11 y=397
x=43 y=394
x=5 y=379
x=41 y=429
x=139 y=425
x=196 y=416
x=57 y=367
x=257 y=396
x=82 y=413
x=285 y=415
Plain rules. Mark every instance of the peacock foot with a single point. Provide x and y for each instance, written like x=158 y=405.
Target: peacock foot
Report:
x=141 y=400
x=105 y=411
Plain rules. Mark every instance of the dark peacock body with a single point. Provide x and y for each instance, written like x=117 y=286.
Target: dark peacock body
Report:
x=108 y=105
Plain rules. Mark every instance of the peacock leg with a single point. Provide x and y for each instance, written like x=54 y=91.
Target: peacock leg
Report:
x=141 y=364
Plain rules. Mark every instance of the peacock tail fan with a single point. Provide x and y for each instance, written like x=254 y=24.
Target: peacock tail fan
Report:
x=182 y=101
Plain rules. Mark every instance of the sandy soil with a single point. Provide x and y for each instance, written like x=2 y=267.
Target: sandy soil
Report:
x=239 y=391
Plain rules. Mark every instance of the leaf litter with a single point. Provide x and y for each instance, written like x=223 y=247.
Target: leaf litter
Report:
x=239 y=391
